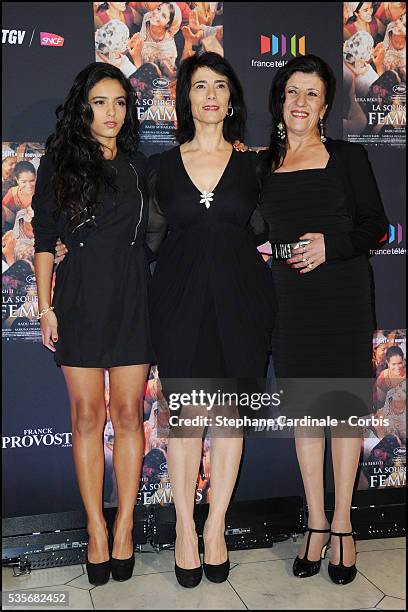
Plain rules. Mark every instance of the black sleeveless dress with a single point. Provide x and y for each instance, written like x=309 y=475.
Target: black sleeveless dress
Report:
x=325 y=317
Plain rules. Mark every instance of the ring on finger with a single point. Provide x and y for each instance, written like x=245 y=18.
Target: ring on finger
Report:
x=310 y=266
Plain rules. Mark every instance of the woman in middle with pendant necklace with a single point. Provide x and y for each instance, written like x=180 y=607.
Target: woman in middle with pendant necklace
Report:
x=212 y=299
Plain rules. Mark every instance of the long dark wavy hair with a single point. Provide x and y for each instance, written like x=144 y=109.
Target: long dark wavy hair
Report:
x=77 y=155
x=234 y=126
x=309 y=64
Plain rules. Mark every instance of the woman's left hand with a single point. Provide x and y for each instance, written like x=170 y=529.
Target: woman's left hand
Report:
x=309 y=255
x=240 y=146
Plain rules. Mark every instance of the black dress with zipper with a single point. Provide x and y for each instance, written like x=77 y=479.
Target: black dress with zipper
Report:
x=100 y=295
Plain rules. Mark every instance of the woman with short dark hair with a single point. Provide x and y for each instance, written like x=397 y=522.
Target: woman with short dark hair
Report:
x=212 y=300
x=324 y=212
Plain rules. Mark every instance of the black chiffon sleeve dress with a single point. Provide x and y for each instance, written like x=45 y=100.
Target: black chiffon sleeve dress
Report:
x=212 y=300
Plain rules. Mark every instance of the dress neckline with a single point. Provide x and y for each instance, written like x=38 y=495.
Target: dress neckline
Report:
x=305 y=169
x=118 y=155
x=219 y=180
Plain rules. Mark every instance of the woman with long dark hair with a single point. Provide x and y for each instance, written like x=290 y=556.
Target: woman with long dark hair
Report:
x=89 y=192
x=212 y=299
x=324 y=212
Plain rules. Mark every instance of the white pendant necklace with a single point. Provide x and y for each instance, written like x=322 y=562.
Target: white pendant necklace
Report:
x=207 y=198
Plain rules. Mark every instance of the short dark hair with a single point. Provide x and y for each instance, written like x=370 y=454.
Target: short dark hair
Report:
x=309 y=64
x=24 y=166
x=394 y=351
x=234 y=126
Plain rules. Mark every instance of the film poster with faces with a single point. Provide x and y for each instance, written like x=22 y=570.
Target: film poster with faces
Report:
x=20 y=162
x=147 y=41
x=155 y=487
x=383 y=456
x=374 y=73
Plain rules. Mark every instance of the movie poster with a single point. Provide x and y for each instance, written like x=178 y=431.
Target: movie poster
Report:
x=383 y=459
x=20 y=162
x=374 y=73
x=155 y=487
x=147 y=41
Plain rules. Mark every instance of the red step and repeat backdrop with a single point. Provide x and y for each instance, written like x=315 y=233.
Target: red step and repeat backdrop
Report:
x=44 y=45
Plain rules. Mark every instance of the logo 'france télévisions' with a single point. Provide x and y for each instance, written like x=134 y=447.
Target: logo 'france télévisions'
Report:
x=277 y=49
x=394 y=234
x=391 y=242
x=281 y=44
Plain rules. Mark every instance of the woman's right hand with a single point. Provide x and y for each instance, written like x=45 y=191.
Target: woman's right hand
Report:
x=49 y=330
x=60 y=252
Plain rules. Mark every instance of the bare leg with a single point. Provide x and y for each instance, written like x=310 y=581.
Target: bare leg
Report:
x=127 y=385
x=225 y=457
x=345 y=454
x=310 y=453
x=88 y=414
x=183 y=462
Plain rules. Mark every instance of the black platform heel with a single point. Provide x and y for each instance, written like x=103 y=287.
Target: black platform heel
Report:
x=303 y=567
x=342 y=574
x=187 y=578
x=98 y=573
x=122 y=569
x=218 y=572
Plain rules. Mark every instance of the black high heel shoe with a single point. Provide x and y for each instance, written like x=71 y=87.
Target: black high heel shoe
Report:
x=187 y=578
x=342 y=574
x=98 y=573
x=303 y=567
x=218 y=572
x=122 y=569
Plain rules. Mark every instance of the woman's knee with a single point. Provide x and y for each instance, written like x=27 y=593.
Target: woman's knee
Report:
x=127 y=417
x=88 y=417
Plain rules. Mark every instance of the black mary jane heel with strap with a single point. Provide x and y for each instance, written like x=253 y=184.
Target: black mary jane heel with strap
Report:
x=303 y=567
x=340 y=573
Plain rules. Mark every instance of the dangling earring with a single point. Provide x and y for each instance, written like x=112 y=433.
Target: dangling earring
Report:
x=321 y=126
x=281 y=130
x=230 y=113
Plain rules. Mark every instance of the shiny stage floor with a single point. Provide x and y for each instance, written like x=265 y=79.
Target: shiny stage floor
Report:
x=259 y=580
